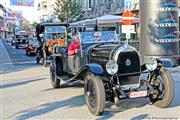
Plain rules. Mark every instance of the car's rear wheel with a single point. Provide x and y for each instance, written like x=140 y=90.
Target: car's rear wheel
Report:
x=94 y=93
x=164 y=87
x=44 y=59
x=26 y=52
x=55 y=72
x=37 y=59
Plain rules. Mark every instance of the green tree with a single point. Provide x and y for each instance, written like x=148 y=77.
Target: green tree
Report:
x=68 y=10
x=33 y=25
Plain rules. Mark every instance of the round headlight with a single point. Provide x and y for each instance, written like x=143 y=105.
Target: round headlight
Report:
x=151 y=63
x=112 y=67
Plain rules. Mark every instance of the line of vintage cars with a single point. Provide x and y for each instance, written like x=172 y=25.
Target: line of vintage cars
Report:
x=110 y=69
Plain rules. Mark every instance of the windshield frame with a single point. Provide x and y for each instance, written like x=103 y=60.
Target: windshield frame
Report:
x=101 y=38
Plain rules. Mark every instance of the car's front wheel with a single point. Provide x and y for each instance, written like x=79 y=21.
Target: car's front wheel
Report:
x=94 y=93
x=164 y=87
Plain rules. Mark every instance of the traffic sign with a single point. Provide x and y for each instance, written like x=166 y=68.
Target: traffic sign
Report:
x=128 y=29
x=128 y=18
x=128 y=35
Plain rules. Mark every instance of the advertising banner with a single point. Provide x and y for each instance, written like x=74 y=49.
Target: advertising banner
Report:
x=159 y=24
x=29 y=3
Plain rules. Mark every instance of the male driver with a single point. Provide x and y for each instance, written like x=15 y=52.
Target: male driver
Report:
x=73 y=47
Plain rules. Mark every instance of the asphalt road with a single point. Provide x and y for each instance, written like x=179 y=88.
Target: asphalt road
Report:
x=26 y=93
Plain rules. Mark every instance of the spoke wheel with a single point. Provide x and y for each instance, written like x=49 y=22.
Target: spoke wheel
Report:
x=44 y=59
x=94 y=94
x=54 y=73
x=55 y=82
x=164 y=89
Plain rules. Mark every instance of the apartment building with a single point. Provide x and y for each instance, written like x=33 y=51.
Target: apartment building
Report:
x=45 y=10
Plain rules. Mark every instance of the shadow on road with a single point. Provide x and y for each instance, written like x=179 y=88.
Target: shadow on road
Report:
x=123 y=105
x=15 y=60
x=64 y=86
x=140 y=117
x=19 y=66
x=3 y=86
x=76 y=101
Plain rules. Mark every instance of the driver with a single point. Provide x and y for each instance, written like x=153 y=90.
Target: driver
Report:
x=73 y=47
x=97 y=36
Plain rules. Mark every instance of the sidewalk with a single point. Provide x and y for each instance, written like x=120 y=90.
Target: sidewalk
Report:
x=5 y=61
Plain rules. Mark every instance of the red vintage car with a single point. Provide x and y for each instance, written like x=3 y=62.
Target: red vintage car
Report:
x=31 y=47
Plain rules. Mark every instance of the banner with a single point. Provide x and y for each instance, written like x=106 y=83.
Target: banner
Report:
x=29 y=3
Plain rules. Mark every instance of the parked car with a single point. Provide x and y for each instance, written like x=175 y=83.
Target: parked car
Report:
x=9 y=39
x=111 y=72
x=32 y=46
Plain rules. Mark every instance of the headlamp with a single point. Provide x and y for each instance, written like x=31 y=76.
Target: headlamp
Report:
x=112 y=67
x=151 y=63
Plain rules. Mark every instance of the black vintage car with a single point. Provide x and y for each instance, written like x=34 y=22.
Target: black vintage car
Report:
x=21 y=39
x=111 y=71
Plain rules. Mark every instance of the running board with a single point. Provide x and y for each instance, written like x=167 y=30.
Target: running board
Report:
x=67 y=79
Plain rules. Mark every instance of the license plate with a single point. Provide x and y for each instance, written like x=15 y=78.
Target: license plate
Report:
x=138 y=94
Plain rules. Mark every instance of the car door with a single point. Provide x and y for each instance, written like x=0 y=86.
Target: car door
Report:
x=74 y=63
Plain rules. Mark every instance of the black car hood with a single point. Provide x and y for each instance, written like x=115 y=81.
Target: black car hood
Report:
x=103 y=52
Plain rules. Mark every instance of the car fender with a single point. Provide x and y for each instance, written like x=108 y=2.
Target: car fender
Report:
x=166 y=62
x=95 y=68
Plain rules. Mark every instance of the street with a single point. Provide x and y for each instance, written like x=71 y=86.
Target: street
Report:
x=26 y=93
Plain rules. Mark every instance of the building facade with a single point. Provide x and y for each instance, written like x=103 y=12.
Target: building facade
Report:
x=94 y=8
x=2 y=15
x=45 y=10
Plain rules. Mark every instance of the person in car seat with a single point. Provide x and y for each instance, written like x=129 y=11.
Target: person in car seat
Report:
x=74 y=47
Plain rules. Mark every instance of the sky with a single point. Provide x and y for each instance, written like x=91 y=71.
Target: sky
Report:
x=29 y=13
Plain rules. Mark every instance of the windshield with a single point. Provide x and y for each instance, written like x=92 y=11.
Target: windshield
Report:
x=98 y=37
x=55 y=29
x=21 y=33
x=55 y=36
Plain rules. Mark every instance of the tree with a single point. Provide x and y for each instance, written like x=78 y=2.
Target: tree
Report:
x=68 y=10
x=33 y=25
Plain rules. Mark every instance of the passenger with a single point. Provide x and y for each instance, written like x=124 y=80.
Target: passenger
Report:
x=73 y=47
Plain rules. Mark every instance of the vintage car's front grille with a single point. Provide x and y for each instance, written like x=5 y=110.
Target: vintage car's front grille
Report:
x=23 y=41
x=128 y=62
